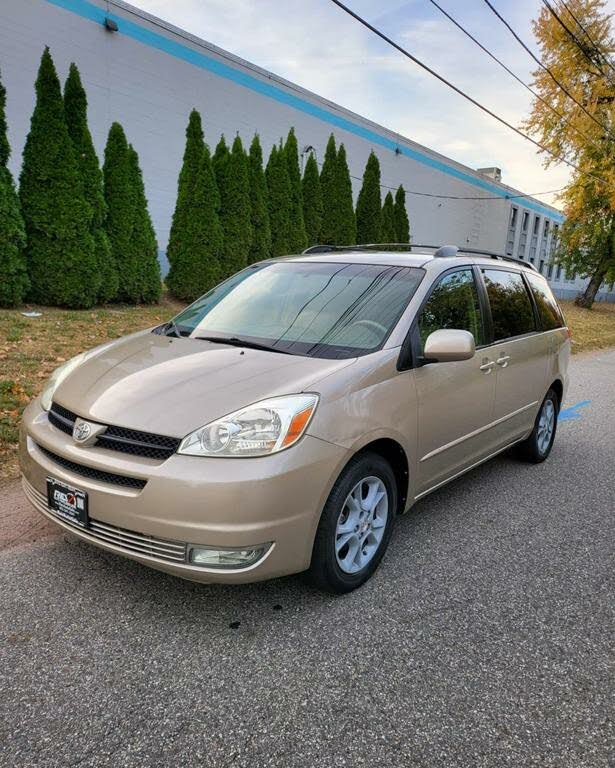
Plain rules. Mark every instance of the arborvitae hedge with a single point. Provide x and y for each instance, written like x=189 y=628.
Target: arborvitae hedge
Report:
x=260 y=247
x=60 y=248
x=312 y=201
x=369 y=203
x=219 y=160
x=128 y=224
x=328 y=233
x=279 y=189
x=75 y=108
x=148 y=285
x=195 y=242
x=235 y=213
x=298 y=237
x=387 y=234
x=400 y=216
x=347 y=224
x=13 y=275
x=119 y=197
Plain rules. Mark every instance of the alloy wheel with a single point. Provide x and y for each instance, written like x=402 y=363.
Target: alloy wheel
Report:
x=361 y=524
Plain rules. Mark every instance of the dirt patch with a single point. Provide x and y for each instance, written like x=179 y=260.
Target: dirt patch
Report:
x=20 y=523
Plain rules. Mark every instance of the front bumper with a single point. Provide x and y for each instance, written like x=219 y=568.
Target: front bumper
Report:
x=186 y=500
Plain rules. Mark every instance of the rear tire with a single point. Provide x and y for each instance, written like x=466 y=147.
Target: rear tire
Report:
x=355 y=526
x=537 y=447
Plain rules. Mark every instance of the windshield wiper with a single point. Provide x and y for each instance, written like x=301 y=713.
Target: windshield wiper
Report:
x=172 y=326
x=236 y=342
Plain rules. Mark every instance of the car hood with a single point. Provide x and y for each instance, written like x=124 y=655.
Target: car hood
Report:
x=171 y=386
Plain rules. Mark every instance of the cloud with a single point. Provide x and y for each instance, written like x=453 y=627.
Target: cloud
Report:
x=322 y=49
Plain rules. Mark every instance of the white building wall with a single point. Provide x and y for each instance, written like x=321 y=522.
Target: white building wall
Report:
x=148 y=76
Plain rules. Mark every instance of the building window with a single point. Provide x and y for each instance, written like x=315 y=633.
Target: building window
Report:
x=512 y=231
x=523 y=236
x=534 y=240
x=552 y=249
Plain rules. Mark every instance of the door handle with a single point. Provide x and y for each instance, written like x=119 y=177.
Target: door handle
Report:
x=486 y=366
x=503 y=360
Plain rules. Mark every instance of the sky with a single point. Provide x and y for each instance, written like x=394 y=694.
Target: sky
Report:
x=318 y=46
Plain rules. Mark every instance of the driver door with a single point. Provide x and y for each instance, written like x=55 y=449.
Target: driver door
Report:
x=455 y=400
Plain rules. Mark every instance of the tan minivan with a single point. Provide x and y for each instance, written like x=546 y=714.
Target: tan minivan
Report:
x=282 y=421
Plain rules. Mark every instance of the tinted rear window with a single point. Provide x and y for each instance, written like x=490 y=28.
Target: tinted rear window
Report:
x=511 y=307
x=550 y=314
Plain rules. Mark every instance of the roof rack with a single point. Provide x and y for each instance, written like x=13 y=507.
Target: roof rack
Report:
x=441 y=251
x=362 y=247
x=449 y=251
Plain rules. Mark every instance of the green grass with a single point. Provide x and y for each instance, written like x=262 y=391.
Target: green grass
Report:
x=30 y=348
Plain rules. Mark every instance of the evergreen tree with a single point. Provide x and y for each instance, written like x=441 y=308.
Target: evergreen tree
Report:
x=235 y=214
x=148 y=285
x=60 y=248
x=298 y=237
x=347 y=223
x=261 y=229
x=387 y=233
x=312 y=201
x=219 y=161
x=400 y=215
x=13 y=274
x=369 y=203
x=195 y=242
x=279 y=191
x=75 y=108
x=120 y=200
x=328 y=234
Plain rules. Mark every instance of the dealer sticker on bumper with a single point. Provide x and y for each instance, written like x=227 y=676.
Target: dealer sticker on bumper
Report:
x=67 y=502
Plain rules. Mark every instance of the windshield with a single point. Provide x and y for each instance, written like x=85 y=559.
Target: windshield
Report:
x=304 y=308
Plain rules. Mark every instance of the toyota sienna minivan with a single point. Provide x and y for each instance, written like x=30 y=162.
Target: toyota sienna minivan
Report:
x=281 y=422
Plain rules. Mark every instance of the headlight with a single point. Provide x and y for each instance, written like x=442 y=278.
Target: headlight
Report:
x=57 y=377
x=258 y=430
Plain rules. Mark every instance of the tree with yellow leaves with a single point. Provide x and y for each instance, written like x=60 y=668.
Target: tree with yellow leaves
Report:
x=577 y=122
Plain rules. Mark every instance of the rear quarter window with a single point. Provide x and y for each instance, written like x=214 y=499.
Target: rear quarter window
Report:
x=511 y=307
x=550 y=314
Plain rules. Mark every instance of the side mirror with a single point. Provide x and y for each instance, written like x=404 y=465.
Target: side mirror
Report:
x=448 y=345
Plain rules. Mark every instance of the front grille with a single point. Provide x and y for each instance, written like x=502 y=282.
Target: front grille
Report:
x=138 y=443
x=92 y=473
x=61 y=418
x=129 y=541
x=114 y=438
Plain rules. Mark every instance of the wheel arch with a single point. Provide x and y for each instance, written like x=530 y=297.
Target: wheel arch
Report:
x=558 y=387
x=394 y=453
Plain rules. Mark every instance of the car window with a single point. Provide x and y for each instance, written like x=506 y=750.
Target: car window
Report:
x=511 y=307
x=329 y=310
x=550 y=314
x=453 y=303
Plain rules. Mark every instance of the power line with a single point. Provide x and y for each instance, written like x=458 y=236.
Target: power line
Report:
x=588 y=36
x=575 y=39
x=465 y=197
x=462 y=93
x=542 y=66
x=455 y=197
x=534 y=93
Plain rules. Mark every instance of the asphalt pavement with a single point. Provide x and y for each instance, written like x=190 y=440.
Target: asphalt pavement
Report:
x=486 y=638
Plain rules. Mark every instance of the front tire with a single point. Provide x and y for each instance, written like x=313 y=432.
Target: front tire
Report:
x=355 y=526
x=537 y=447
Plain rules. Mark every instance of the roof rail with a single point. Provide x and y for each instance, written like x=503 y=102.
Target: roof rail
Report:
x=446 y=251
x=359 y=247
